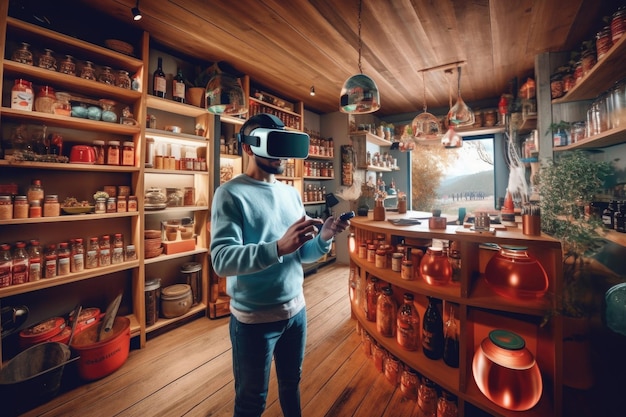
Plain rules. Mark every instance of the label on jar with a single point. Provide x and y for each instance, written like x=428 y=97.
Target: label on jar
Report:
x=64 y=265
x=34 y=270
x=92 y=259
x=78 y=262
x=22 y=99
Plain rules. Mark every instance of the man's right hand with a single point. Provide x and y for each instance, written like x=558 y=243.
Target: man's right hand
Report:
x=298 y=234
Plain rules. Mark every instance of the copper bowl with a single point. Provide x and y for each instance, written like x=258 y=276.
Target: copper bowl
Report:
x=506 y=371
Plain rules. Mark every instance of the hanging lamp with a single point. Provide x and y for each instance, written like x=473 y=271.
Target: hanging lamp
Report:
x=425 y=126
x=225 y=95
x=460 y=114
x=359 y=94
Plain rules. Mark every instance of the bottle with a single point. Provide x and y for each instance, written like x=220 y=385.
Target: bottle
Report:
x=446 y=405
x=50 y=259
x=371 y=298
x=6 y=263
x=35 y=192
x=77 y=260
x=178 y=87
x=117 y=255
x=386 y=312
x=19 y=269
x=607 y=215
x=158 y=80
x=93 y=253
x=105 y=251
x=408 y=324
x=432 y=330
x=619 y=218
x=34 y=261
x=451 y=341
x=63 y=259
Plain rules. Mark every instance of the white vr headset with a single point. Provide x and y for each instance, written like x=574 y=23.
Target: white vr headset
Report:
x=274 y=141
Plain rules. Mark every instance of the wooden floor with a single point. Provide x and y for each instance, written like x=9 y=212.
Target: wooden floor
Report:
x=187 y=371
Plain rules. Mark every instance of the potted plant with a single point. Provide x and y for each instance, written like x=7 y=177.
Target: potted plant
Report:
x=560 y=133
x=566 y=186
x=196 y=89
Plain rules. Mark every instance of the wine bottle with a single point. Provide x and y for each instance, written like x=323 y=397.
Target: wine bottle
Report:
x=178 y=87
x=158 y=80
x=432 y=331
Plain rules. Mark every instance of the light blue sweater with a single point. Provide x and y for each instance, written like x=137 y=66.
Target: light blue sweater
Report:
x=248 y=217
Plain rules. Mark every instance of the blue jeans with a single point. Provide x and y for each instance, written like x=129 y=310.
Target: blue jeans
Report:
x=254 y=346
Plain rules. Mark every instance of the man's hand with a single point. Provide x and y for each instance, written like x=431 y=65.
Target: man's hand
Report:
x=298 y=233
x=332 y=226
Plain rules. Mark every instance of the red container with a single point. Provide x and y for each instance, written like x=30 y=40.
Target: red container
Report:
x=41 y=332
x=435 y=267
x=101 y=358
x=514 y=273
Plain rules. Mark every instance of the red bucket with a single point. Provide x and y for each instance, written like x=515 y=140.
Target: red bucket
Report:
x=101 y=358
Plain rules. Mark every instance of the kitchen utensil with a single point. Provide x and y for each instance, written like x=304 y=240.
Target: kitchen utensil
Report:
x=109 y=318
x=76 y=315
x=12 y=318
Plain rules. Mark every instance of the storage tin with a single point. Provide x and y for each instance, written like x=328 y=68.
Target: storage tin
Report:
x=176 y=300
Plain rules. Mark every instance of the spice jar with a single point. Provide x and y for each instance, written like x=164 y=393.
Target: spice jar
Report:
x=132 y=203
x=122 y=205
x=189 y=196
x=50 y=259
x=77 y=259
x=128 y=154
x=111 y=206
x=117 y=254
x=93 y=253
x=22 y=95
x=47 y=61
x=603 y=42
x=104 y=258
x=386 y=311
x=34 y=261
x=23 y=55
x=98 y=146
x=113 y=153
x=618 y=24
x=106 y=76
x=122 y=79
x=68 y=66
x=20 y=207
x=44 y=102
x=51 y=206
x=88 y=72
x=63 y=259
x=396 y=261
x=6 y=207
x=381 y=258
x=371 y=253
x=34 y=209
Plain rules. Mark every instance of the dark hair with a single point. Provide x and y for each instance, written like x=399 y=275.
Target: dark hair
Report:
x=265 y=120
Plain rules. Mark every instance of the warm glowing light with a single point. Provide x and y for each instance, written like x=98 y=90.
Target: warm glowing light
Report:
x=352 y=243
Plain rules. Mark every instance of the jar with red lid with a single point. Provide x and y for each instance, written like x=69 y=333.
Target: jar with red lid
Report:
x=63 y=259
x=6 y=276
x=588 y=61
x=34 y=261
x=435 y=267
x=105 y=251
x=41 y=332
x=77 y=260
x=20 y=264
x=93 y=253
x=50 y=261
x=22 y=95
x=46 y=97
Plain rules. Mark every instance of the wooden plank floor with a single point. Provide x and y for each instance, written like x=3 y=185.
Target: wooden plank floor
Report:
x=187 y=371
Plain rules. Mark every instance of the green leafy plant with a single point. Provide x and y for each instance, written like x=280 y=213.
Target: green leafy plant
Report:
x=558 y=127
x=566 y=186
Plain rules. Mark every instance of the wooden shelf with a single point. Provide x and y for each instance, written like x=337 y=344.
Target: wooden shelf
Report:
x=372 y=138
x=601 y=77
x=176 y=136
x=321 y=157
x=163 y=322
x=67 y=167
x=171 y=106
x=608 y=138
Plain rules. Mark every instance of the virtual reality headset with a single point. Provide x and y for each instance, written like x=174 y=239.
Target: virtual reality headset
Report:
x=271 y=140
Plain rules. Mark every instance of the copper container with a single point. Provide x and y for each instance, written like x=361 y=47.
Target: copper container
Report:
x=506 y=372
x=513 y=273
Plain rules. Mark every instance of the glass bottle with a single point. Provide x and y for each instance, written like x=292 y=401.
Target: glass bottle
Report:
x=107 y=76
x=432 y=330
x=63 y=259
x=6 y=262
x=408 y=384
x=427 y=398
x=19 y=269
x=34 y=261
x=50 y=258
x=619 y=218
x=392 y=370
x=371 y=298
x=386 y=312
x=105 y=251
x=435 y=267
x=88 y=72
x=93 y=253
x=77 y=260
x=159 y=82
x=454 y=257
x=122 y=79
x=68 y=66
x=451 y=341
x=446 y=405
x=98 y=146
x=178 y=87
x=408 y=323
x=47 y=60
x=117 y=255
x=23 y=55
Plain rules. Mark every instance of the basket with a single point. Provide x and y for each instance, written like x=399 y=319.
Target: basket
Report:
x=119 y=46
x=153 y=253
x=152 y=244
x=151 y=234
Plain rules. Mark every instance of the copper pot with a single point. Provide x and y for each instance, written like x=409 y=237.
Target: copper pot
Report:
x=506 y=372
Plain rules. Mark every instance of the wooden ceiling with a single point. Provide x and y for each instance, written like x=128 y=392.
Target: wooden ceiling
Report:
x=290 y=45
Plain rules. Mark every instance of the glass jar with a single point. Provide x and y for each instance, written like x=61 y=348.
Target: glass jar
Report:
x=6 y=276
x=34 y=261
x=100 y=206
x=63 y=259
x=514 y=273
x=379 y=354
x=128 y=154
x=408 y=324
x=447 y=406
x=50 y=259
x=108 y=113
x=88 y=72
x=556 y=86
x=588 y=61
x=392 y=370
x=62 y=104
x=19 y=269
x=435 y=267
x=34 y=209
x=577 y=131
x=22 y=95
x=427 y=398
x=131 y=253
x=618 y=24
x=98 y=146
x=454 y=257
x=122 y=204
x=380 y=258
x=93 y=253
x=408 y=383
x=113 y=152
x=371 y=295
x=117 y=254
x=189 y=196
x=386 y=312
x=104 y=258
x=68 y=66
x=407 y=270
x=6 y=207
x=122 y=79
x=47 y=60
x=20 y=207
x=106 y=76
x=77 y=260
x=44 y=102
x=371 y=253
x=23 y=55
x=132 y=203
x=51 y=206
x=111 y=206
x=603 y=42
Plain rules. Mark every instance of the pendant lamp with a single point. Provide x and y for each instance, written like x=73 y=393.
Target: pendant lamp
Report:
x=225 y=95
x=425 y=126
x=359 y=94
x=460 y=114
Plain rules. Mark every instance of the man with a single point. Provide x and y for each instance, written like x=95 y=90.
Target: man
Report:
x=260 y=236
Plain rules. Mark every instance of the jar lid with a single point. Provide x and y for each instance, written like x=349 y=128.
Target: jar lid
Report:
x=114 y=143
x=98 y=142
x=20 y=197
x=153 y=284
x=189 y=267
x=175 y=291
x=5 y=198
x=52 y=197
x=43 y=331
x=130 y=144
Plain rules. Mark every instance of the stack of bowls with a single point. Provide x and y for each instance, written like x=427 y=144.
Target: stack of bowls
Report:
x=152 y=243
